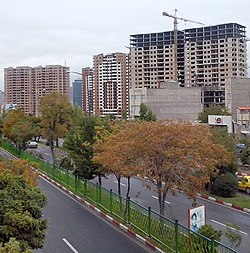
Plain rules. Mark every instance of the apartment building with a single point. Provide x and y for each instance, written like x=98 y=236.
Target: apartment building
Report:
x=88 y=92
x=206 y=57
x=25 y=86
x=110 y=95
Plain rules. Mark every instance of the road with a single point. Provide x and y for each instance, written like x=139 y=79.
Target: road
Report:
x=177 y=207
x=76 y=228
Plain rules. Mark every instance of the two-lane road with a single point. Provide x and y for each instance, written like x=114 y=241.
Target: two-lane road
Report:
x=76 y=228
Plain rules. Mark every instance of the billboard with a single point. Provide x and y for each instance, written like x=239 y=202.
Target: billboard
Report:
x=221 y=120
x=196 y=218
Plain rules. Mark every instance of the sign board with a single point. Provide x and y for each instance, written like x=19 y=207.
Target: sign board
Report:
x=196 y=218
x=221 y=120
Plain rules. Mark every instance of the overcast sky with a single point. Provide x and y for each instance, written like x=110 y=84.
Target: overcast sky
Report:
x=47 y=32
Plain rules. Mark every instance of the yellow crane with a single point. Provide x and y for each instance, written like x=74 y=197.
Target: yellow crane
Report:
x=175 y=38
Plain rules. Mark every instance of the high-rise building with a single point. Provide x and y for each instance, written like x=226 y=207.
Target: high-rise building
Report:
x=77 y=92
x=88 y=92
x=25 y=86
x=111 y=84
x=206 y=57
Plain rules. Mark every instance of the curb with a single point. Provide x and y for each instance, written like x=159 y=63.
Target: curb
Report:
x=105 y=216
x=246 y=210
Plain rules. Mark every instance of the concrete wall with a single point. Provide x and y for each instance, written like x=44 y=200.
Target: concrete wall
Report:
x=170 y=101
x=237 y=94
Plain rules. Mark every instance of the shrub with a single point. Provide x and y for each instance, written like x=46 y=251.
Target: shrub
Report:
x=210 y=232
x=225 y=185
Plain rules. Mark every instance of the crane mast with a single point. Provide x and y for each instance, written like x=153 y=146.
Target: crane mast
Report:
x=175 y=46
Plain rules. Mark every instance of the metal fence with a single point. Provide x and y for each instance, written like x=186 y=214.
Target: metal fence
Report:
x=170 y=234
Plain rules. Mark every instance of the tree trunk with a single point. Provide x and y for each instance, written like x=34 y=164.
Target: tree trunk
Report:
x=52 y=152
x=100 y=179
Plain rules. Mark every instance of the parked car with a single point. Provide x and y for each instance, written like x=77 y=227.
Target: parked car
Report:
x=244 y=183
x=32 y=144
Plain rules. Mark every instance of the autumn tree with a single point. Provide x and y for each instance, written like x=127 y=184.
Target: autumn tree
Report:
x=173 y=155
x=18 y=128
x=56 y=112
x=212 y=110
x=20 y=168
x=116 y=154
x=20 y=214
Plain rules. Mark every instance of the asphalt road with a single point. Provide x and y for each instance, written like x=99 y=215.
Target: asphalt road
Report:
x=177 y=207
x=76 y=228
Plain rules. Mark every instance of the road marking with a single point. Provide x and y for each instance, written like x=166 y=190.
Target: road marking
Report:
x=70 y=246
x=165 y=201
x=47 y=153
x=224 y=225
x=121 y=183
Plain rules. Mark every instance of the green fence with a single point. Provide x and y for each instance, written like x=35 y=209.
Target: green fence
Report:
x=170 y=234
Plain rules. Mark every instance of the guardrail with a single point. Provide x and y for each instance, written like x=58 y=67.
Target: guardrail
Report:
x=170 y=234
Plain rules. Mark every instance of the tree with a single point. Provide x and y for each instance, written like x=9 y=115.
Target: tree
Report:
x=20 y=168
x=18 y=128
x=173 y=155
x=225 y=185
x=20 y=213
x=56 y=116
x=212 y=110
x=146 y=113
x=79 y=143
x=13 y=246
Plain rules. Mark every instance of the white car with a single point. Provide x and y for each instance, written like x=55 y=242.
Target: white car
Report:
x=32 y=144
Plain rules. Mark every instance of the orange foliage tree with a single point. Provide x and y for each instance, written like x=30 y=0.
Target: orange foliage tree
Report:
x=174 y=155
x=20 y=168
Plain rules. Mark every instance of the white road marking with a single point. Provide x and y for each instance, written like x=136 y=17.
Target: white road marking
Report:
x=47 y=153
x=165 y=201
x=224 y=225
x=121 y=183
x=70 y=246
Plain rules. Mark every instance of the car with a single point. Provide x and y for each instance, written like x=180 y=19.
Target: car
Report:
x=244 y=183
x=32 y=144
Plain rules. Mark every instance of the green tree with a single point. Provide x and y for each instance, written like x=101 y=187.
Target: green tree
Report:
x=212 y=110
x=20 y=213
x=146 y=113
x=222 y=137
x=79 y=143
x=56 y=111
x=225 y=185
x=13 y=246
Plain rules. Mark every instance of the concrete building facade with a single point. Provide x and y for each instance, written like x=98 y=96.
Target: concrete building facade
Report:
x=25 y=86
x=110 y=91
x=88 y=92
x=237 y=94
x=173 y=102
x=206 y=57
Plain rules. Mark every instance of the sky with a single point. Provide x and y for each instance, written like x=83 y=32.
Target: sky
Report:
x=70 y=32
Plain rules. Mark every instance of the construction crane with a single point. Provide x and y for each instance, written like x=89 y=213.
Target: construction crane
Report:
x=175 y=38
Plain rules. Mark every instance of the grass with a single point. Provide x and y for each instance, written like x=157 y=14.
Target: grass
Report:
x=238 y=200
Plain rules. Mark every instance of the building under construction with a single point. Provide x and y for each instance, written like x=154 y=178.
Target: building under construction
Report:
x=205 y=57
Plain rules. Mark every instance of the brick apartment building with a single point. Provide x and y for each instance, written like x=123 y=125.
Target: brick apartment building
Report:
x=25 y=86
